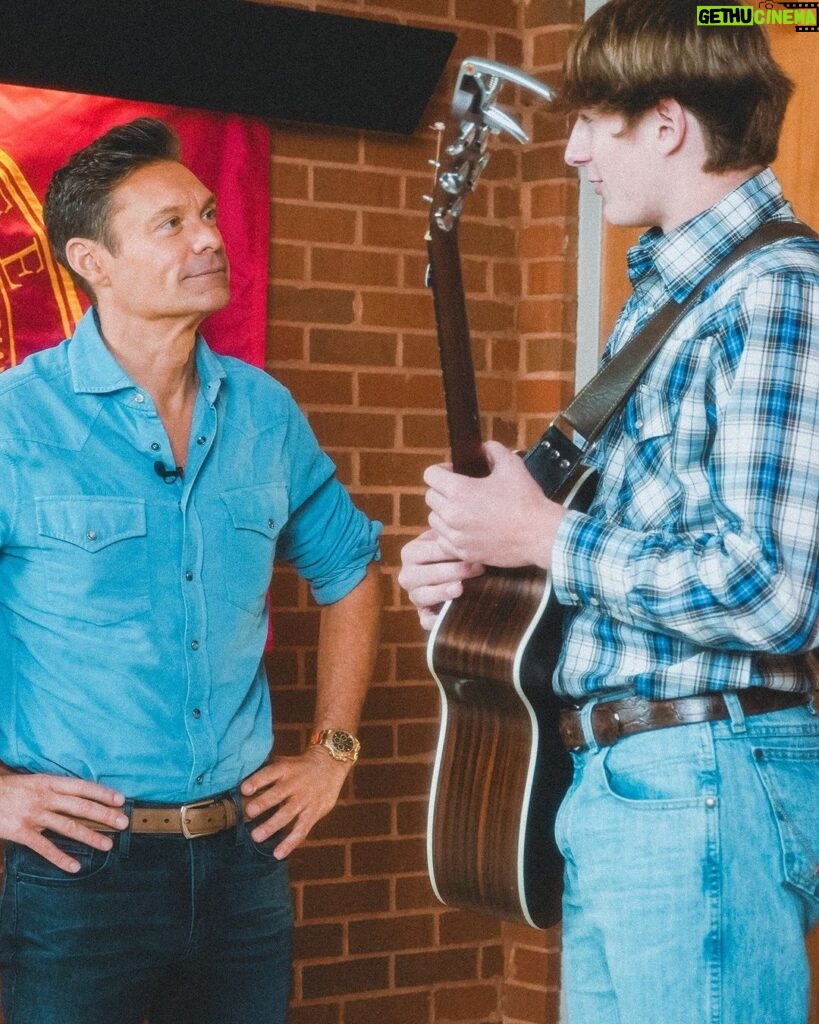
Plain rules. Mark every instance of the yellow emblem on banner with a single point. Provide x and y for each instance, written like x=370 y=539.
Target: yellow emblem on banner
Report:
x=34 y=288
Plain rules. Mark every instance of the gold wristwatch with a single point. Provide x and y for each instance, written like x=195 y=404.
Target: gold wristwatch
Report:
x=342 y=745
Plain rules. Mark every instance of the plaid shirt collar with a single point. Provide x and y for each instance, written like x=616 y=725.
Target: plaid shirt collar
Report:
x=681 y=258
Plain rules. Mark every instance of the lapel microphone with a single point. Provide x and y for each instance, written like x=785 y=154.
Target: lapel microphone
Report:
x=170 y=476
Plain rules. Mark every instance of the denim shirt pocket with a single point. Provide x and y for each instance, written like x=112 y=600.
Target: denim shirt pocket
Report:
x=95 y=554
x=256 y=517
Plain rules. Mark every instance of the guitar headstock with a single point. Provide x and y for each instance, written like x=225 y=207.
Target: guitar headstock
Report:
x=462 y=152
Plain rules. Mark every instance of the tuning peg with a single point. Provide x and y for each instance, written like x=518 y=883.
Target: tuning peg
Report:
x=447 y=217
x=428 y=199
x=477 y=171
x=466 y=137
x=453 y=182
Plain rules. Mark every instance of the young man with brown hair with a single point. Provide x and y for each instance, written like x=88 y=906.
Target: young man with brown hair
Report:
x=692 y=839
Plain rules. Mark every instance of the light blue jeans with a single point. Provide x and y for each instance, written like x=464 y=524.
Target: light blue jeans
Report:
x=692 y=873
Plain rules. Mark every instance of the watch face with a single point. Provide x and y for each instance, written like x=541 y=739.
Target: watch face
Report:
x=342 y=741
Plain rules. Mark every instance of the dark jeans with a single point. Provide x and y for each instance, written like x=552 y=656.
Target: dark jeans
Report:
x=162 y=927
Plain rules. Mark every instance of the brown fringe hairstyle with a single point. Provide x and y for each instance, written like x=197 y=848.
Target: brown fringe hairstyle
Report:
x=633 y=53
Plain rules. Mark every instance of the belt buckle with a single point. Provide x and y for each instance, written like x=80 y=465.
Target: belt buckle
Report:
x=183 y=811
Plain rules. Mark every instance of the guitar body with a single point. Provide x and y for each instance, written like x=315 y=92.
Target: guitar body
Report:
x=501 y=769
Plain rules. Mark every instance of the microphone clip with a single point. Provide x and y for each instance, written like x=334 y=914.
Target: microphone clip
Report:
x=170 y=476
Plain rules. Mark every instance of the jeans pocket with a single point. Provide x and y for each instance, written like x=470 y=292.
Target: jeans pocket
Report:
x=25 y=865
x=648 y=774
x=790 y=776
x=262 y=850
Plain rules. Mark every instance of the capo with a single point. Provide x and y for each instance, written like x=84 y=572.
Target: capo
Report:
x=479 y=82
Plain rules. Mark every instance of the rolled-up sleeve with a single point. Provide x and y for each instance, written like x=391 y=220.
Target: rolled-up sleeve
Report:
x=327 y=539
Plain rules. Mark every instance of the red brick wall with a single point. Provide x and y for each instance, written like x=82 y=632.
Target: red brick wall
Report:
x=352 y=334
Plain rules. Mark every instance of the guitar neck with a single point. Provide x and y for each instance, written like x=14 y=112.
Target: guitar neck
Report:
x=460 y=160
x=457 y=369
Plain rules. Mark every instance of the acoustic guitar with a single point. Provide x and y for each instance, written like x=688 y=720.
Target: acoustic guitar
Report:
x=500 y=767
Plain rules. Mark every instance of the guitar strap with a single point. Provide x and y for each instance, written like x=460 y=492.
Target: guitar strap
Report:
x=555 y=455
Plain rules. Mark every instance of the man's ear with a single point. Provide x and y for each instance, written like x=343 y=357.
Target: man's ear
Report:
x=84 y=256
x=671 y=125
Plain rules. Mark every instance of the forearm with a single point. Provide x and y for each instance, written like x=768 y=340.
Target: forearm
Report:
x=300 y=790
x=717 y=590
x=348 y=643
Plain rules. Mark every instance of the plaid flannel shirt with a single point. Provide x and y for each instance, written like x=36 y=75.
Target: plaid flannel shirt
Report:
x=695 y=569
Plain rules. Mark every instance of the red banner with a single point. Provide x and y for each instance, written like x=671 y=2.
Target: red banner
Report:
x=40 y=129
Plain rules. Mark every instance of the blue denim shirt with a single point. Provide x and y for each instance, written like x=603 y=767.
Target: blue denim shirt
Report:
x=133 y=611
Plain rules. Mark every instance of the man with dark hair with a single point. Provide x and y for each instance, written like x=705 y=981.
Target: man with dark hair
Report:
x=79 y=197
x=691 y=830
x=146 y=487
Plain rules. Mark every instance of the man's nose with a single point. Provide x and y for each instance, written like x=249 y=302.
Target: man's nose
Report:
x=576 y=153
x=207 y=236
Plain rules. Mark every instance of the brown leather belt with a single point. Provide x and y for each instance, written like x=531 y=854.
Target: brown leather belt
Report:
x=612 y=720
x=205 y=818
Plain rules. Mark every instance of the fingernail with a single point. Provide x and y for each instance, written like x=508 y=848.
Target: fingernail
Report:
x=122 y=821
